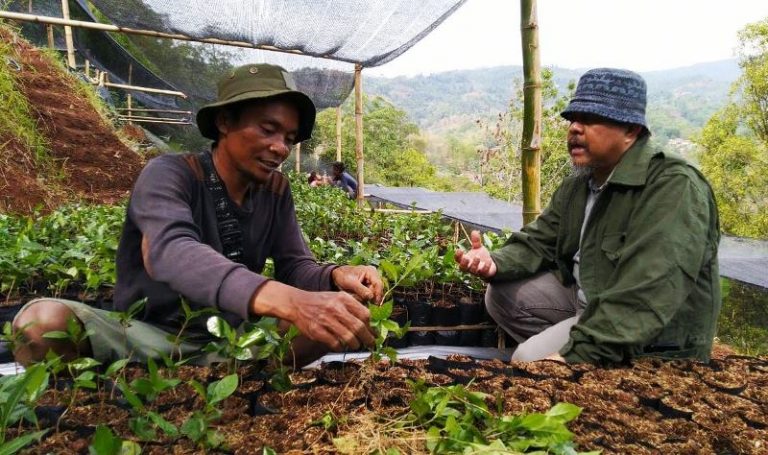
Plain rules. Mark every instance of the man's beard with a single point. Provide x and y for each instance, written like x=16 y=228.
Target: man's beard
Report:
x=582 y=170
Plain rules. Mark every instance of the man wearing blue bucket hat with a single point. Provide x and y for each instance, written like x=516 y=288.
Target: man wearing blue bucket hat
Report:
x=623 y=261
x=200 y=227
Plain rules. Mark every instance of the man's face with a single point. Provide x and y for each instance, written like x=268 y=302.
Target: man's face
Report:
x=261 y=139
x=596 y=143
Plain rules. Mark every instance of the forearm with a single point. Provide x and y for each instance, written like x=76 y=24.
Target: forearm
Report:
x=277 y=300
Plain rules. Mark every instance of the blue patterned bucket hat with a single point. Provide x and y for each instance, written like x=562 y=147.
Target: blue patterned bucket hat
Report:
x=615 y=94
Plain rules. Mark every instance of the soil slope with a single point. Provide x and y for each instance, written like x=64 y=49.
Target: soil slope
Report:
x=87 y=160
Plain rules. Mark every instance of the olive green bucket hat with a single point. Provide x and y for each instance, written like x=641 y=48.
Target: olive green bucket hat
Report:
x=257 y=81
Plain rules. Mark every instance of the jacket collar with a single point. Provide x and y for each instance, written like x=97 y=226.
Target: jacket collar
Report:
x=632 y=169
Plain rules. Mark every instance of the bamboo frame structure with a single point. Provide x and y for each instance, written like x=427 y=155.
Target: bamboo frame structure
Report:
x=49 y=32
x=68 y=35
x=531 y=137
x=170 y=121
x=164 y=111
x=144 y=32
x=144 y=89
x=338 y=133
x=359 y=134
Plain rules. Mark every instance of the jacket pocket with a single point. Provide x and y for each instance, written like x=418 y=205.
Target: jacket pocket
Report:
x=612 y=245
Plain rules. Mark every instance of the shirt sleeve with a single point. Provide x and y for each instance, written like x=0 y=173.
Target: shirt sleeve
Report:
x=160 y=207
x=294 y=263
x=666 y=244
x=533 y=248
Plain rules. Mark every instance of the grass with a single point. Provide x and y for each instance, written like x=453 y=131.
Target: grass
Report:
x=17 y=121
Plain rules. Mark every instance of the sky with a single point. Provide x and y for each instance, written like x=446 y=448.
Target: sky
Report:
x=641 y=35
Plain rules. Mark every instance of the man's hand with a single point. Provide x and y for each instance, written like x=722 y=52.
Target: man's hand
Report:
x=362 y=281
x=477 y=260
x=334 y=319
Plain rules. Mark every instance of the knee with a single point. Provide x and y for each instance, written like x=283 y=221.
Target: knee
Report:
x=30 y=326
x=500 y=301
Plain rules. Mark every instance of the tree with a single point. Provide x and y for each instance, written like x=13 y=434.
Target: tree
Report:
x=500 y=166
x=735 y=142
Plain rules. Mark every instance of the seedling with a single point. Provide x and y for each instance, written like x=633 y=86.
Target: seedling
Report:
x=18 y=394
x=198 y=426
x=177 y=340
x=232 y=346
x=74 y=334
x=383 y=326
x=458 y=420
x=105 y=442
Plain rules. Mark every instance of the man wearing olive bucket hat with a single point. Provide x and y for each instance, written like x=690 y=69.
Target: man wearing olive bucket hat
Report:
x=623 y=261
x=199 y=227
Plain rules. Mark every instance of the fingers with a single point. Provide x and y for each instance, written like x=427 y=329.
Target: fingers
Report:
x=476 y=240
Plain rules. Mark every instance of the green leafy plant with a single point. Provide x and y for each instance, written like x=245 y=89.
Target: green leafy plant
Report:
x=18 y=394
x=383 y=327
x=232 y=346
x=105 y=442
x=74 y=333
x=458 y=420
x=198 y=427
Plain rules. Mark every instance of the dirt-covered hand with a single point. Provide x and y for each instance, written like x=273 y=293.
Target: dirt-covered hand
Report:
x=335 y=319
x=477 y=260
x=362 y=281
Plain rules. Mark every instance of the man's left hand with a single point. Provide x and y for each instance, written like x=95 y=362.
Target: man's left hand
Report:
x=362 y=281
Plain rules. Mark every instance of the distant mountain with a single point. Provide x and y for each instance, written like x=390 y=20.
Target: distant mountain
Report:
x=680 y=100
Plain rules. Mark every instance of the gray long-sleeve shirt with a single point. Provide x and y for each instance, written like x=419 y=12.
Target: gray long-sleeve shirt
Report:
x=173 y=211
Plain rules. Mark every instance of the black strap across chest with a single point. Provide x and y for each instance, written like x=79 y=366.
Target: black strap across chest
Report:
x=230 y=232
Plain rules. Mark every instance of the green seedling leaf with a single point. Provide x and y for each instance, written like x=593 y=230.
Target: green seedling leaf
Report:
x=167 y=427
x=219 y=327
x=105 y=442
x=380 y=313
x=268 y=451
x=14 y=445
x=142 y=427
x=84 y=363
x=194 y=428
x=221 y=389
x=56 y=335
x=116 y=367
x=389 y=270
x=565 y=412
x=256 y=337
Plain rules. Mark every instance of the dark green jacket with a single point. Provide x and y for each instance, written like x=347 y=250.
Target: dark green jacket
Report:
x=648 y=259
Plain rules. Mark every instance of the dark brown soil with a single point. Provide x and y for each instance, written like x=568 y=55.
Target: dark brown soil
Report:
x=690 y=415
x=86 y=160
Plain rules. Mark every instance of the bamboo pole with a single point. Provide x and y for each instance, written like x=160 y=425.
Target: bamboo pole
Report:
x=338 y=133
x=88 y=69
x=164 y=111
x=68 y=35
x=144 y=89
x=359 y=132
x=147 y=117
x=49 y=32
x=144 y=32
x=129 y=97
x=531 y=140
x=298 y=157
x=159 y=120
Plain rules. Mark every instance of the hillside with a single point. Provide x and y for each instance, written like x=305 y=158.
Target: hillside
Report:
x=680 y=100
x=78 y=157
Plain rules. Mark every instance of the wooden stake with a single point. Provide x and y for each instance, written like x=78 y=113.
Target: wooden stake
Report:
x=68 y=35
x=129 y=96
x=298 y=157
x=49 y=31
x=359 y=132
x=88 y=69
x=338 y=133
